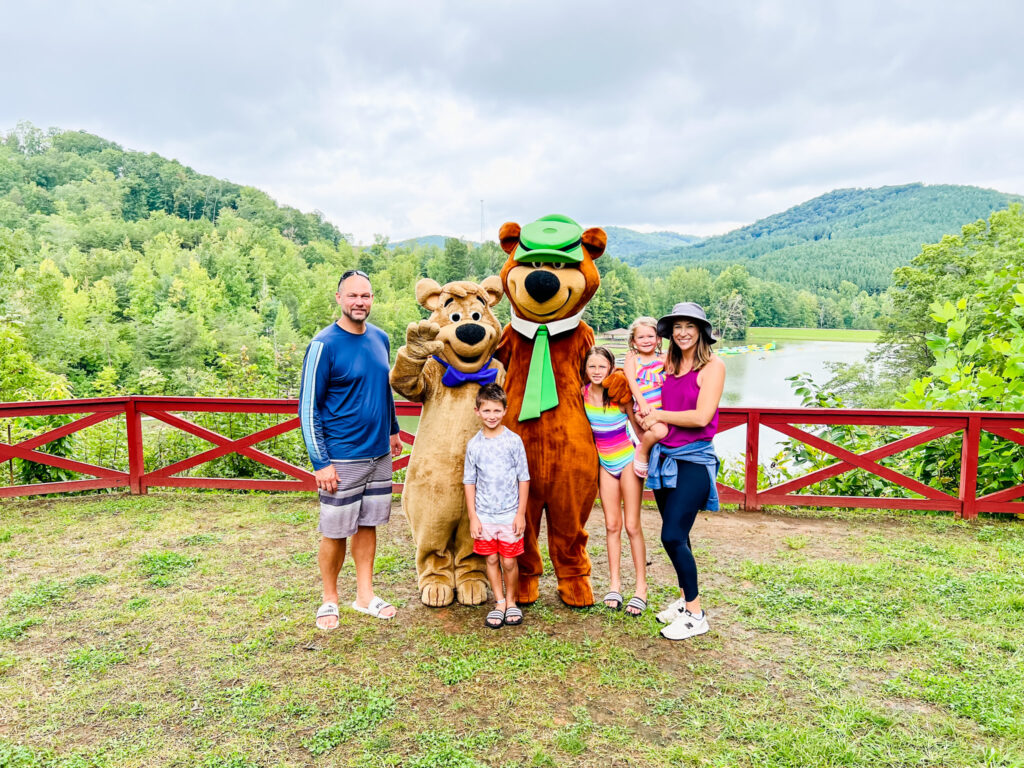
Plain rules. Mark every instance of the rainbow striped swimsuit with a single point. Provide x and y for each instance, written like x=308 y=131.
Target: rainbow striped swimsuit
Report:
x=611 y=434
x=649 y=378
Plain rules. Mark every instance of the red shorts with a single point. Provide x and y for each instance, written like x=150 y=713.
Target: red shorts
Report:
x=498 y=538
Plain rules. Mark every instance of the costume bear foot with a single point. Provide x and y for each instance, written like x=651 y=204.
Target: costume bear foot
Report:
x=528 y=590
x=437 y=595
x=576 y=592
x=471 y=591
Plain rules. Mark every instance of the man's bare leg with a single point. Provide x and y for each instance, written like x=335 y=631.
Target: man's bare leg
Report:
x=330 y=557
x=364 y=550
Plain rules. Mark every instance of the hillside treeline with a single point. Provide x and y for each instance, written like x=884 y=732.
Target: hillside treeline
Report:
x=125 y=270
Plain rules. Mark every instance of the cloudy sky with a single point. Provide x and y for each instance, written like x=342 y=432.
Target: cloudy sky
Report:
x=400 y=117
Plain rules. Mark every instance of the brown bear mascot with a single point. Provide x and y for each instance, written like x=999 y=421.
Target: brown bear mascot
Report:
x=445 y=361
x=549 y=277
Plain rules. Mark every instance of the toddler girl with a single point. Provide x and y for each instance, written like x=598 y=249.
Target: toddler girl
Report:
x=645 y=371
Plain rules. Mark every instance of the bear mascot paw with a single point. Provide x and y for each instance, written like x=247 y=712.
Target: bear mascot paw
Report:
x=444 y=362
x=549 y=278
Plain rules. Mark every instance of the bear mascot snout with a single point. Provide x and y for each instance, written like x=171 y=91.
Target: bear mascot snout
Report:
x=444 y=362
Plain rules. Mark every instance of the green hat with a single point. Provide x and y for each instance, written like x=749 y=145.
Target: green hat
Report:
x=551 y=238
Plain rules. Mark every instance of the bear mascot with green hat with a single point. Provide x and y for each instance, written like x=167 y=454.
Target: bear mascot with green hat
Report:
x=549 y=278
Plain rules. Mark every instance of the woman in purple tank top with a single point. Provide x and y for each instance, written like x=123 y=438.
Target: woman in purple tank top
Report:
x=683 y=464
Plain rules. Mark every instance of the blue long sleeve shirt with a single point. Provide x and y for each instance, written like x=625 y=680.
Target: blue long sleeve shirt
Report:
x=346 y=407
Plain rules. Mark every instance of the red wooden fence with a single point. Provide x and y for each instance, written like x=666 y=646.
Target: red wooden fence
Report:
x=787 y=421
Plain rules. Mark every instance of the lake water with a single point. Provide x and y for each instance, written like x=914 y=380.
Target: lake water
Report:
x=759 y=379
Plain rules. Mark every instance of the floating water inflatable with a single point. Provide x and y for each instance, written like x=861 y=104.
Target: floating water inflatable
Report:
x=746 y=348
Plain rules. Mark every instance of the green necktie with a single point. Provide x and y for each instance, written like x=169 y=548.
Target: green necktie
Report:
x=540 y=394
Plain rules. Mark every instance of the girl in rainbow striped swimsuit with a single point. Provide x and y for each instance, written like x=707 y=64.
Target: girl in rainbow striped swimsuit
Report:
x=645 y=372
x=620 y=489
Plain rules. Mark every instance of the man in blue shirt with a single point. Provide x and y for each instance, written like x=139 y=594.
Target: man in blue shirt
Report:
x=350 y=429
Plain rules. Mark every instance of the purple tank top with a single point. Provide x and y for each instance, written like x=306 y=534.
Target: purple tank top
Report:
x=679 y=393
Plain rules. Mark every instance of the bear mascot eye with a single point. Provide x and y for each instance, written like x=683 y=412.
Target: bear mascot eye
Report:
x=475 y=316
x=456 y=316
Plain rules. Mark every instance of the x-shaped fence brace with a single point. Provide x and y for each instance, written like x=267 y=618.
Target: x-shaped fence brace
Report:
x=243 y=446
x=985 y=503
x=105 y=477
x=784 y=492
x=224 y=445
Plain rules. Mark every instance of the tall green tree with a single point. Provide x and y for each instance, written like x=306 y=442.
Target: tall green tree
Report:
x=945 y=271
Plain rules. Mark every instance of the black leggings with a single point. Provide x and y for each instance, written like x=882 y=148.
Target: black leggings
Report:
x=679 y=507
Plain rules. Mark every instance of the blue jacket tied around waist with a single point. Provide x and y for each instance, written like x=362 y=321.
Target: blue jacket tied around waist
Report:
x=663 y=472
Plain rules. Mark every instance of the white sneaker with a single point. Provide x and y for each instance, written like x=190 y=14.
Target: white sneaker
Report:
x=687 y=625
x=672 y=611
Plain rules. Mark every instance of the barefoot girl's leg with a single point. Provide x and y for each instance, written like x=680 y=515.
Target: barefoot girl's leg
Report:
x=611 y=503
x=632 y=494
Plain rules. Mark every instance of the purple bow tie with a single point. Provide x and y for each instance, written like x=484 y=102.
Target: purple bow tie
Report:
x=453 y=377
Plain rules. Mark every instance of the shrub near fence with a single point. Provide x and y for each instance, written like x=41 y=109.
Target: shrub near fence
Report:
x=160 y=443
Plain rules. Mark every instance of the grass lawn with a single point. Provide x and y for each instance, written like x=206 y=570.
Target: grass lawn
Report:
x=177 y=630
x=761 y=335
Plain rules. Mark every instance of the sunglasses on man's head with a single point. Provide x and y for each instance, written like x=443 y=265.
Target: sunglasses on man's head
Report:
x=351 y=273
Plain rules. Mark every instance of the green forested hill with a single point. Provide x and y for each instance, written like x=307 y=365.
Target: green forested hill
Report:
x=72 y=172
x=122 y=270
x=858 y=235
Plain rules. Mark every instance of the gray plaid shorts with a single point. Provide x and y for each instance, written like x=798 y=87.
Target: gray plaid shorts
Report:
x=363 y=497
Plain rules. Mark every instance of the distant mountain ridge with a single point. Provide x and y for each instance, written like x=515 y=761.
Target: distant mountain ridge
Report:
x=435 y=240
x=625 y=243
x=622 y=242
x=859 y=235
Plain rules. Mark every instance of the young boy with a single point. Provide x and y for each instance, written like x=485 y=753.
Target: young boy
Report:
x=497 y=483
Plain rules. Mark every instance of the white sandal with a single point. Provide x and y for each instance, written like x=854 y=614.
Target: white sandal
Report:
x=374 y=609
x=327 y=609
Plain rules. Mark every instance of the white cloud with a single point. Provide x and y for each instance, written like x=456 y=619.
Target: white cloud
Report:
x=399 y=119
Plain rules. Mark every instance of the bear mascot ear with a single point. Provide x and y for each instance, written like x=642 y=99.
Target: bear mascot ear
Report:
x=508 y=236
x=594 y=241
x=492 y=288
x=428 y=292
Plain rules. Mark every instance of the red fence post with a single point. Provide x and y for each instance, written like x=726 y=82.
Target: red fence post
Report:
x=136 y=462
x=969 y=468
x=750 y=463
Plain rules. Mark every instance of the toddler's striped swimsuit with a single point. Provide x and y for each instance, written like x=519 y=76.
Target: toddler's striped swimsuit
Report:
x=649 y=378
x=611 y=434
